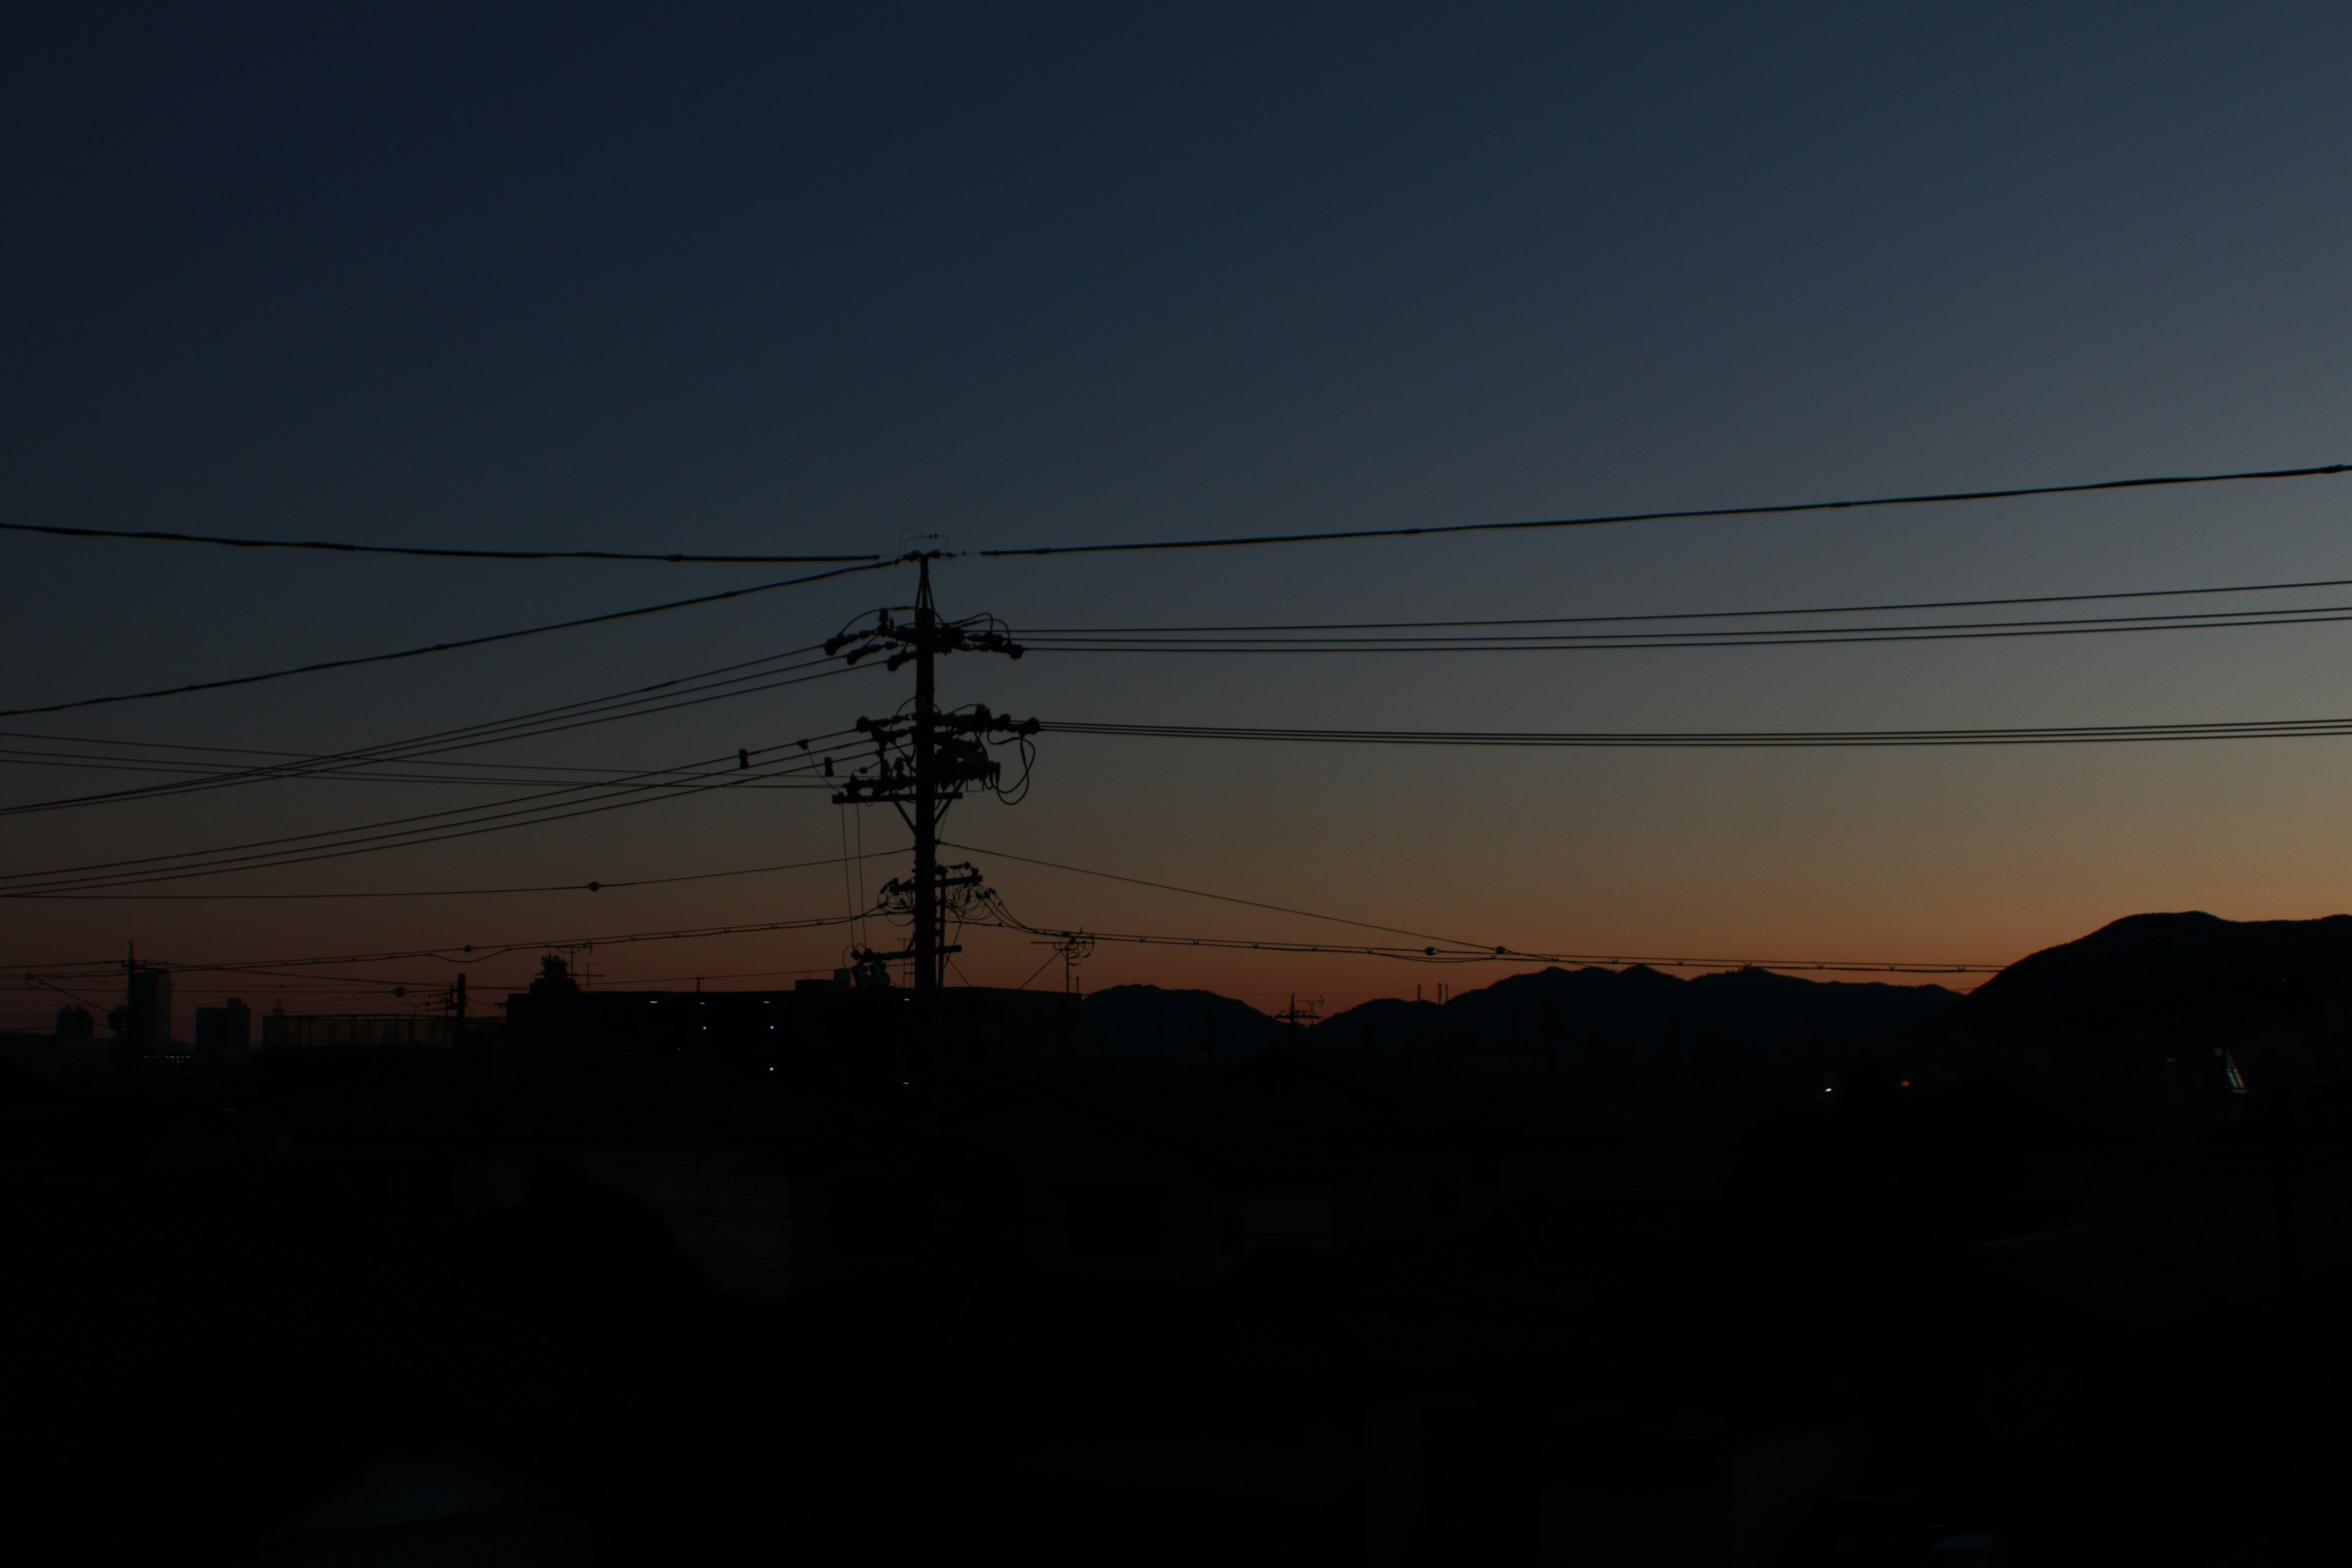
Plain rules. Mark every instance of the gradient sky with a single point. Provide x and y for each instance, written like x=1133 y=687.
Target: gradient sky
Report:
x=721 y=279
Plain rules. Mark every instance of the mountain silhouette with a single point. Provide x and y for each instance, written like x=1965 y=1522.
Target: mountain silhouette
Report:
x=2157 y=984
x=1632 y=1017
x=1598 y=1016
x=1193 y=1029
x=2159 y=980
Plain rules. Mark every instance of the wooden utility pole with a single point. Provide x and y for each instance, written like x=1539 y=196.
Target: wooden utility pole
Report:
x=925 y=760
x=930 y=933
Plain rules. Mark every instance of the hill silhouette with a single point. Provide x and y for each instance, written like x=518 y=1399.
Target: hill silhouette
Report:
x=2156 y=980
x=1193 y=1029
x=1582 y=1016
x=2150 y=983
x=1598 y=1016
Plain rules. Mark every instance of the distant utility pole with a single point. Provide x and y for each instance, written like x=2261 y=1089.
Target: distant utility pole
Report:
x=1074 y=947
x=924 y=759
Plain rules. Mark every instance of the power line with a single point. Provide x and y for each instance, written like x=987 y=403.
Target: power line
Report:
x=2248 y=729
x=529 y=816
x=308 y=757
x=1446 y=950
x=468 y=735
x=515 y=776
x=1630 y=642
x=586 y=713
x=1694 y=513
x=1508 y=955
x=454 y=954
x=437 y=648
x=1719 y=615
x=432 y=827
x=167 y=536
x=591 y=887
x=1197 y=893
x=1323 y=536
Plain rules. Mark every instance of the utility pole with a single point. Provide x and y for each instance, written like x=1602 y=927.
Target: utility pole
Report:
x=930 y=935
x=924 y=760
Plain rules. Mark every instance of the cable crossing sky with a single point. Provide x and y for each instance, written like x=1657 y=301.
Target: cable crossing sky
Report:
x=1325 y=536
x=2050 y=735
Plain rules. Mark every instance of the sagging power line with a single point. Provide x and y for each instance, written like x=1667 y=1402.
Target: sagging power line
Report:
x=1484 y=641
x=323 y=666
x=1653 y=615
x=1219 y=898
x=1433 y=949
x=475 y=774
x=432 y=551
x=1783 y=509
x=1773 y=509
x=1431 y=954
x=593 y=886
x=662 y=696
x=2050 y=735
x=425 y=827
x=475 y=953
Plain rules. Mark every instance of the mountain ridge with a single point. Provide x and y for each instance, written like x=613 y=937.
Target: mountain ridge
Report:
x=2156 y=975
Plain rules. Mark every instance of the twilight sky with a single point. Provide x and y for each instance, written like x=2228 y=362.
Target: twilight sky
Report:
x=719 y=279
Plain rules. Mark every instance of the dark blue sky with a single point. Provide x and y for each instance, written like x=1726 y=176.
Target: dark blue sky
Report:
x=724 y=279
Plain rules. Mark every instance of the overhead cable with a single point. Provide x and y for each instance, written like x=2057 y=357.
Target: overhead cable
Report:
x=589 y=886
x=405 y=832
x=1197 y=893
x=662 y=696
x=672 y=557
x=1433 y=949
x=1783 y=509
x=1685 y=637
x=1711 y=614
x=2076 y=735
x=515 y=775
x=325 y=665
x=450 y=953
x=1223 y=541
x=1435 y=955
